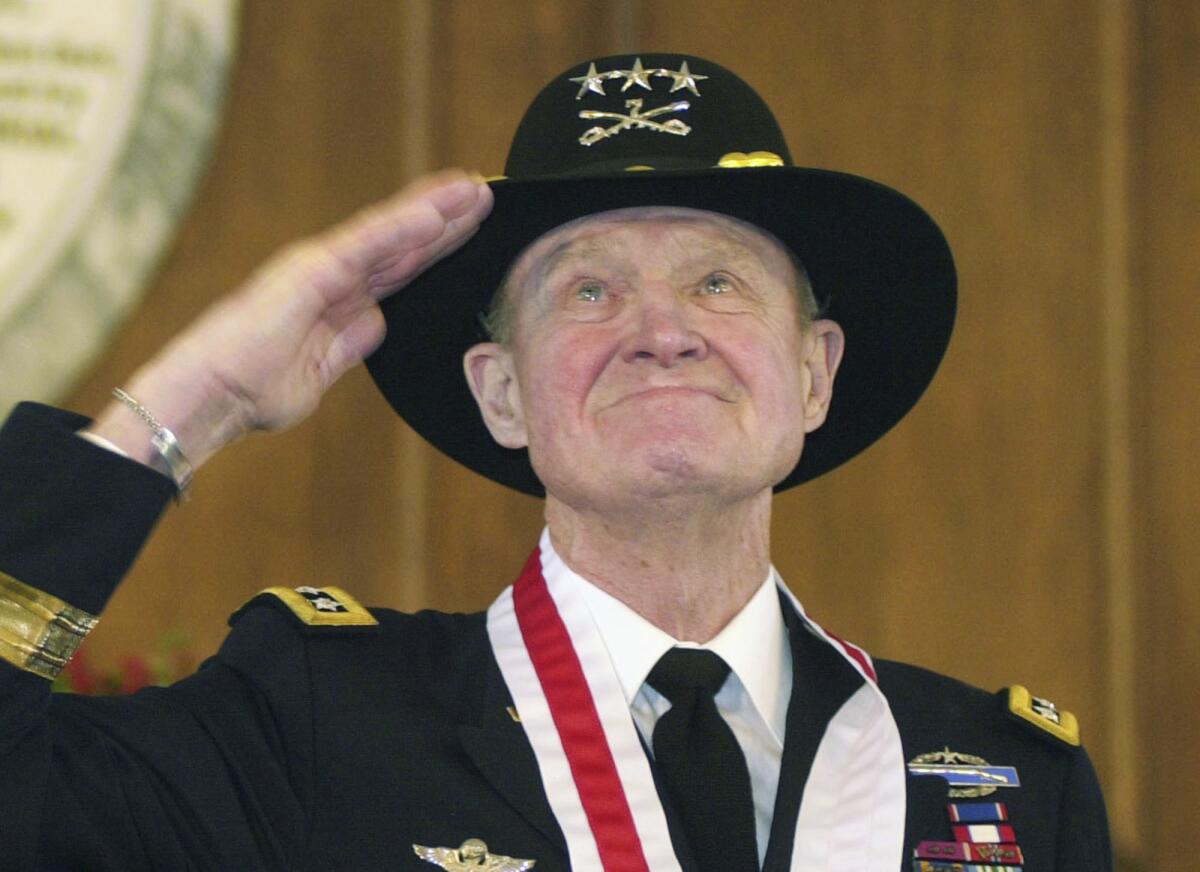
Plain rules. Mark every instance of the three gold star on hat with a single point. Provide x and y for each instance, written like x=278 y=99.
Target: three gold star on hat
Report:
x=681 y=79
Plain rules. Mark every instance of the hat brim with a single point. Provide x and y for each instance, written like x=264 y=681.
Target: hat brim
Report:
x=878 y=263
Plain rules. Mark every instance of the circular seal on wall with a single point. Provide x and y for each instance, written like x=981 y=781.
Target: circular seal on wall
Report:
x=107 y=115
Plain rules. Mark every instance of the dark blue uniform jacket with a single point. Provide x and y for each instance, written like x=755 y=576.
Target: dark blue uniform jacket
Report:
x=322 y=748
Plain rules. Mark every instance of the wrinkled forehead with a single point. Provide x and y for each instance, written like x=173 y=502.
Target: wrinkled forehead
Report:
x=724 y=229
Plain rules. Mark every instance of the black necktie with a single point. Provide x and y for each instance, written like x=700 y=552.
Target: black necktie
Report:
x=702 y=764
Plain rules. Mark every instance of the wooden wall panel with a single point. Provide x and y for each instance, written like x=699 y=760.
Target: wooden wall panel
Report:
x=1167 y=218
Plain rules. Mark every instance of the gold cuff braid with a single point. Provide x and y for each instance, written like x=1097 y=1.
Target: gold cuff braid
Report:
x=39 y=632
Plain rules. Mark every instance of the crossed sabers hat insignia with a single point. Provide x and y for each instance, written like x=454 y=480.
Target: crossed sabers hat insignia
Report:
x=593 y=81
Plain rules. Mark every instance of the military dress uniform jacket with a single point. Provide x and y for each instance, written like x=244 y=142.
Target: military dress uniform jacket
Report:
x=308 y=747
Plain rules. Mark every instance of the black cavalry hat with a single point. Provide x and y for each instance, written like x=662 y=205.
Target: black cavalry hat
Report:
x=676 y=130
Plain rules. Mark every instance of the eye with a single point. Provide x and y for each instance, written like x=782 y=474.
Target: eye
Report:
x=717 y=283
x=589 y=292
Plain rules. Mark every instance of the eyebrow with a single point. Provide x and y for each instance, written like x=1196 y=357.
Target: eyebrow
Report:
x=566 y=252
x=582 y=250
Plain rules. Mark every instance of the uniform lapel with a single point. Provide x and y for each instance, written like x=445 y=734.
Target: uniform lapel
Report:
x=927 y=797
x=822 y=681
x=926 y=818
x=498 y=747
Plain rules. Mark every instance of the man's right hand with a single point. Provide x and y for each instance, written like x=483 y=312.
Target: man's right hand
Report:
x=261 y=358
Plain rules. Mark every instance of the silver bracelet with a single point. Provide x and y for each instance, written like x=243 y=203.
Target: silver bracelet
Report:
x=177 y=465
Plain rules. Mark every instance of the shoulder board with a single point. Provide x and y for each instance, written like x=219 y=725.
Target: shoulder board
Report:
x=1042 y=714
x=314 y=608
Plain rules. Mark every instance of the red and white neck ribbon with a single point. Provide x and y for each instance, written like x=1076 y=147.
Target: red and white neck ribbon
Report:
x=596 y=774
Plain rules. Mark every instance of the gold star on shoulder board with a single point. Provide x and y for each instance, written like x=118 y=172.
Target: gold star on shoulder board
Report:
x=685 y=78
x=591 y=81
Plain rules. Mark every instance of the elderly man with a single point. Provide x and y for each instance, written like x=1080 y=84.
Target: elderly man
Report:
x=674 y=302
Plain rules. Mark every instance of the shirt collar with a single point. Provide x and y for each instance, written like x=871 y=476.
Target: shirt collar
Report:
x=754 y=643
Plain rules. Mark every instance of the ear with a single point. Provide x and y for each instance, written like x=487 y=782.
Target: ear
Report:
x=823 y=349
x=491 y=375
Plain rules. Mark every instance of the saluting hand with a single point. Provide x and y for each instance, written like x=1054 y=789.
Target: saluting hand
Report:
x=262 y=357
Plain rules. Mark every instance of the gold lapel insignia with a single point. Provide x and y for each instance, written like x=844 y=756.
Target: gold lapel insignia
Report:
x=471 y=855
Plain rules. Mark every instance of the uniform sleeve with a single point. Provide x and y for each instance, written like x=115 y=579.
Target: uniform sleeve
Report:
x=212 y=773
x=73 y=516
x=1083 y=840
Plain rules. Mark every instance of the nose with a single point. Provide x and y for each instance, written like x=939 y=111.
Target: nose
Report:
x=664 y=335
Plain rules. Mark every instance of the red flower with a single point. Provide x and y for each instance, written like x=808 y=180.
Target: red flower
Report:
x=169 y=660
x=78 y=673
x=135 y=674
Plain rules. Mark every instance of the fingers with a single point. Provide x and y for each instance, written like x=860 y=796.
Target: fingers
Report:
x=431 y=215
x=406 y=265
x=381 y=248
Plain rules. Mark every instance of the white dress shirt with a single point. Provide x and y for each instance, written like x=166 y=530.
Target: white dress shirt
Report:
x=753 y=700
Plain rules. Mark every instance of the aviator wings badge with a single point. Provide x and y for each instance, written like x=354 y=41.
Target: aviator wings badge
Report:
x=471 y=855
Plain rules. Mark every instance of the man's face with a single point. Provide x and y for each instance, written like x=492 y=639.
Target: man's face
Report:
x=656 y=351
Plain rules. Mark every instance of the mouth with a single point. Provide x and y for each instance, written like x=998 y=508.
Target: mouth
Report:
x=663 y=392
